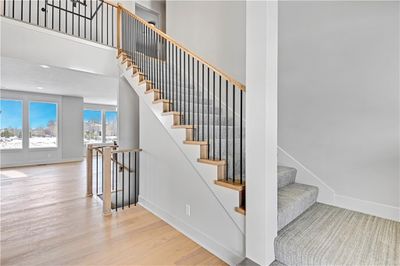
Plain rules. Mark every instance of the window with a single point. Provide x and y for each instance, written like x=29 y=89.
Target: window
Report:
x=111 y=126
x=92 y=126
x=42 y=125
x=10 y=124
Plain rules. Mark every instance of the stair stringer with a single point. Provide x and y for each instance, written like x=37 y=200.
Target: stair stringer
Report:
x=227 y=198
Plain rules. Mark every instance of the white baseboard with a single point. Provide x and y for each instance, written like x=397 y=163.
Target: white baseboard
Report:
x=230 y=257
x=368 y=207
x=329 y=196
x=71 y=160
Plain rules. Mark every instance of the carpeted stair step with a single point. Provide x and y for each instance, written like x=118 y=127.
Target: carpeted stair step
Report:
x=293 y=200
x=286 y=175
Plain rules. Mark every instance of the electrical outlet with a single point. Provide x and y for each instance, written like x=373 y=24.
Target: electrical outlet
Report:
x=187 y=209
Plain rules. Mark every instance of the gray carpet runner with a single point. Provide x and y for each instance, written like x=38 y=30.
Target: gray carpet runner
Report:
x=313 y=233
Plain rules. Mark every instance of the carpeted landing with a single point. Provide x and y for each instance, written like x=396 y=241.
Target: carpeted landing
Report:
x=327 y=235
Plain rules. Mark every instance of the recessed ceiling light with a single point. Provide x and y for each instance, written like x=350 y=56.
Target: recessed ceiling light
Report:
x=39 y=88
x=44 y=66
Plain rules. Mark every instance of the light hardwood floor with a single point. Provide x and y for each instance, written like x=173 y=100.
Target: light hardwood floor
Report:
x=46 y=219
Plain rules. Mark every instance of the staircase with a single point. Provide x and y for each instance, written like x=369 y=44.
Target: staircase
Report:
x=293 y=200
x=200 y=106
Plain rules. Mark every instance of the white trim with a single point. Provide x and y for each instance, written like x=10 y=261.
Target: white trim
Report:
x=71 y=160
x=207 y=242
x=368 y=207
x=329 y=196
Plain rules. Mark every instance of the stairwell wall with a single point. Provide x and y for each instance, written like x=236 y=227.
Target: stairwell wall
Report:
x=339 y=99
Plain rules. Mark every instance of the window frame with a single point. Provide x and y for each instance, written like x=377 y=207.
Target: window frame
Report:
x=29 y=125
x=105 y=124
x=22 y=126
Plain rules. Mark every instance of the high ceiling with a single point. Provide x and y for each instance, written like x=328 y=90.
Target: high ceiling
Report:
x=17 y=74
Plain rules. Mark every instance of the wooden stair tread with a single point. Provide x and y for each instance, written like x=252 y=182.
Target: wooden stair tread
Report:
x=182 y=126
x=231 y=185
x=213 y=162
x=152 y=90
x=171 y=113
x=161 y=101
x=240 y=210
x=195 y=142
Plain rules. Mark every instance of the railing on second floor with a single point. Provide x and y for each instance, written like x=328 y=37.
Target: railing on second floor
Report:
x=94 y=20
x=116 y=175
x=209 y=102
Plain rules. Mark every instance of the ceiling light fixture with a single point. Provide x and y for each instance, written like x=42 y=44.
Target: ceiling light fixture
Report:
x=44 y=66
x=39 y=88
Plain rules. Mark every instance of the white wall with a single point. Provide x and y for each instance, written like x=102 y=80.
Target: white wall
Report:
x=128 y=116
x=215 y=30
x=157 y=6
x=70 y=128
x=38 y=45
x=169 y=182
x=339 y=98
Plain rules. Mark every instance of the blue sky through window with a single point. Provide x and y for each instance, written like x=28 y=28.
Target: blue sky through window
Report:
x=90 y=115
x=111 y=116
x=10 y=114
x=41 y=113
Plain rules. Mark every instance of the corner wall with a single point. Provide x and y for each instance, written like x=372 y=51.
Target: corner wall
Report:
x=339 y=99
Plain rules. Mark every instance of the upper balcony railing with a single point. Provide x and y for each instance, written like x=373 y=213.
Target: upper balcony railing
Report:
x=94 y=20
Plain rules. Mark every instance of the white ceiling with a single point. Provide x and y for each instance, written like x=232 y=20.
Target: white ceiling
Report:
x=17 y=74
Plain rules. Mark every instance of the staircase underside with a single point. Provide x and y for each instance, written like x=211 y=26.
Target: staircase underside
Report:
x=327 y=235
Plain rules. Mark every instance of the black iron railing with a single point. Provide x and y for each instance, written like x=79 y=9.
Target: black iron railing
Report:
x=93 y=20
x=208 y=102
x=116 y=175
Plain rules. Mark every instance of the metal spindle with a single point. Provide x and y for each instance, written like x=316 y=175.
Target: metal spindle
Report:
x=233 y=133
x=220 y=122
x=123 y=181
x=129 y=179
x=198 y=104
x=241 y=136
x=213 y=115
x=226 y=127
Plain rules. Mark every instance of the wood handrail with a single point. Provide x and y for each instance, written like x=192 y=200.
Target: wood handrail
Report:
x=127 y=150
x=238 y=85
x=110 y=3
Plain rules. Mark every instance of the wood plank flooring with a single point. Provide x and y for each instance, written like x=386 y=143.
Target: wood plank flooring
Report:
x=46 y=219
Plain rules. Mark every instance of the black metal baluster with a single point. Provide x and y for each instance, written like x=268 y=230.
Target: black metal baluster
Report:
x=184 y=89
x=22 y=10
x=189 y=89
x=226 y=127
x=213 y=115
x=97 y=172
x=241 y=136
x=116 y=183
x=220 y=122
x=91 y=20
x=202 y=101
x=66 y=16
x=198 y=105
x=193 y=92
x=4 y=8
x=123 y=180
x=129 y=179
x=59 y=15
x=79 y=21
x=233 y=133
x=208 y=112
x=37 y=12
x=180 y=86
x=176 y=100
x=169 y=72
x=102 y=21
x=97 y=21
x=30 y=9
x=45 y=13
x=73 y=19
x=102 y=171
x=13 y=8
x=136 y=180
